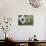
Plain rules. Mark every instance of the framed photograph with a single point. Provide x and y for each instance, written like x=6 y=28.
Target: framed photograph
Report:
x=25 y=19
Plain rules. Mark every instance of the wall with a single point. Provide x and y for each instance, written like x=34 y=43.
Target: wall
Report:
x=45 y=28
x=13 y=8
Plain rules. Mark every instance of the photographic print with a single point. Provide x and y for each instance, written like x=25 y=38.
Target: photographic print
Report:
x=25 y=20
